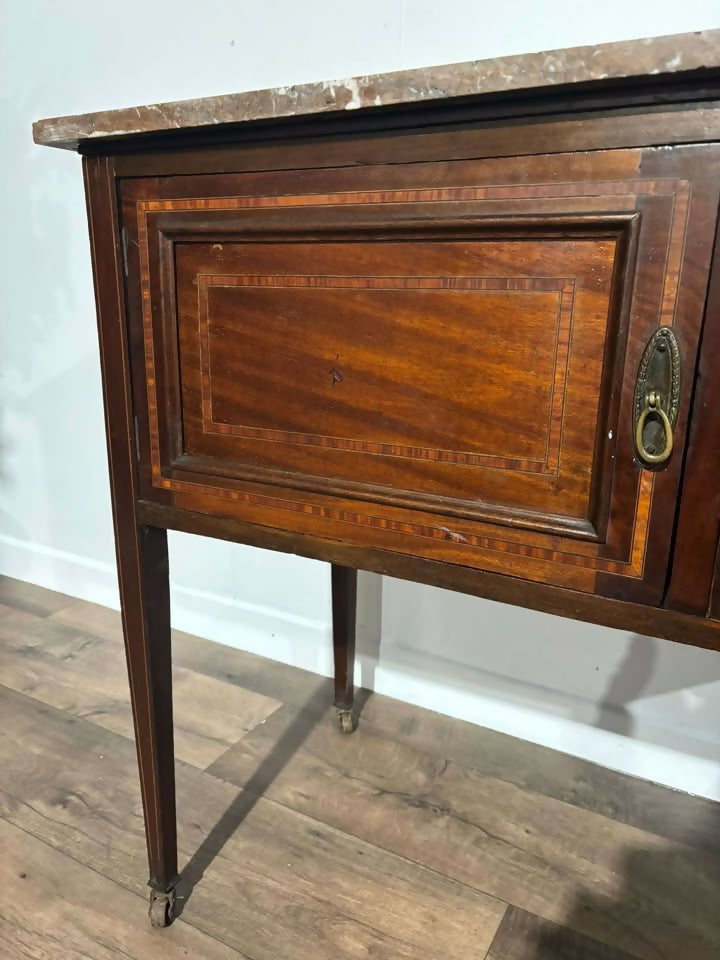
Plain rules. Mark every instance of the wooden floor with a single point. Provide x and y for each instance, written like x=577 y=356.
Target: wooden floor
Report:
x=417 y=837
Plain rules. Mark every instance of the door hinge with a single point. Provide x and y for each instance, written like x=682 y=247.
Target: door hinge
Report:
x=137 y=440
x=123 y=234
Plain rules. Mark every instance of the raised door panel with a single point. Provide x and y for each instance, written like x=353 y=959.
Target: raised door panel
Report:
x=440 y=365
x=435 y=373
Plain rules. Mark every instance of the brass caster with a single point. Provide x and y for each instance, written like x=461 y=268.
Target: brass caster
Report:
x=162 y=908
x=347 y=721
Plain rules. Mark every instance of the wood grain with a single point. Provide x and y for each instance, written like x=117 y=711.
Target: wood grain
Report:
x=141 y=551
x=236 y=464
x=524 y=937
x=470 y=359
x=54 y=907
x=643 y=126
x=691 y=821
x=269 y=678
x=44 y=638
x=86 y=676
x=524 y=848
x=346 y=431
x=31 y=598
x=448 y=795
x=562 y=602
x=696 y=544
x=270 y=882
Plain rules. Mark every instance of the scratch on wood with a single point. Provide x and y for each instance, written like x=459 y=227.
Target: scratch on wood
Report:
x=452 y=535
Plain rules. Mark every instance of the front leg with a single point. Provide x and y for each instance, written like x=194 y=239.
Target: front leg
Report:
x=145 y=597
x=142 y=559
x=344 y=615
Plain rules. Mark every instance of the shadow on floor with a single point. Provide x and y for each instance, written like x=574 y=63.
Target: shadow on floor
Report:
x=664 y=903
x=665 y=907
x=287 y=745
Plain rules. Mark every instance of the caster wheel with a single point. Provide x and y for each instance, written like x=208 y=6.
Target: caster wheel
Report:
x=347 y=721
x=162 y=908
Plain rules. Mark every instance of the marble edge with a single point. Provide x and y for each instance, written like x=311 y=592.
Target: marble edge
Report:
x=653 y=56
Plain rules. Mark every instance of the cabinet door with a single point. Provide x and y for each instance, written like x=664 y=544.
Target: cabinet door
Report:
x=438 y=359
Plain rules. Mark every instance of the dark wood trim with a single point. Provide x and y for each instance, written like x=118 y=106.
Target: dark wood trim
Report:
x=208 y=470
x=412 y=220
x=522 y=136
x=304 y=223
x=141 y=550
x=696 y=543
x=344 y=615
x=623 y=615
x=613 y=365
x=171 y=437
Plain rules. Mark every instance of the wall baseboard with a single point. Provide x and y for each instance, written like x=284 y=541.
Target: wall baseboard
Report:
x=70 y=573
x=519 y=709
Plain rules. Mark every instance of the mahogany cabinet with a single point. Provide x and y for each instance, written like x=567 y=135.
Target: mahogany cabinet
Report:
x=469 y=339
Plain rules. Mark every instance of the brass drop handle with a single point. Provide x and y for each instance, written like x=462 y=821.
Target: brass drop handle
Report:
x=657 y=398
x=653 y=405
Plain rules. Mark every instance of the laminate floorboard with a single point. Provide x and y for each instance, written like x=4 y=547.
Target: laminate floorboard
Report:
x=54 y=907
x=641 y=892
x=418 y=837
x=266 y=880
x=524 y=937
x=693 y=821
x=86 y=675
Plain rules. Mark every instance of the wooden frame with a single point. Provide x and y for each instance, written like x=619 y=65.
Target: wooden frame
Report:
x=629 y=116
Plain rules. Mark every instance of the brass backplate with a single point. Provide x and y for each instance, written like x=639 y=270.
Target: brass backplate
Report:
x=658 y=377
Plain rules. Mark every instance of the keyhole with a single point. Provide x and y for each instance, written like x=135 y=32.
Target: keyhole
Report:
x=336 y=373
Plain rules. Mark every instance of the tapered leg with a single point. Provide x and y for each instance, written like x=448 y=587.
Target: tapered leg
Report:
x=145 y=596
x=344 y=610
x=141 y=551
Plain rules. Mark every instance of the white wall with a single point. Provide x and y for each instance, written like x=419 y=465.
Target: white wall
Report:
x=645 y=706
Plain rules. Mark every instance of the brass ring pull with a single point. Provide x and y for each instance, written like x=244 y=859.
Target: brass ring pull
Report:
x=653 y=405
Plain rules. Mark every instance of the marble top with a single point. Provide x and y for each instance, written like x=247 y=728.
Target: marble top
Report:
x=631 y=58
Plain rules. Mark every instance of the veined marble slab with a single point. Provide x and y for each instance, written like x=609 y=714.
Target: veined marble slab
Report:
x=631 y=58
